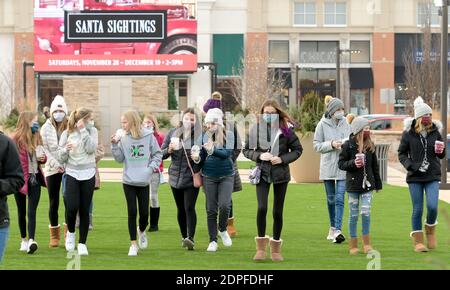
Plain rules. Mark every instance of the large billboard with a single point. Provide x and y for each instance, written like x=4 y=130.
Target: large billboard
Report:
x=106 y=36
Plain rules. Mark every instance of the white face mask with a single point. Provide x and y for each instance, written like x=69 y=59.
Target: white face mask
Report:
x=339 y=115
x=59 y=116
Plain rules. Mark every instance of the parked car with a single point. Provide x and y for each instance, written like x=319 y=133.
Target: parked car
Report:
x=386 y=121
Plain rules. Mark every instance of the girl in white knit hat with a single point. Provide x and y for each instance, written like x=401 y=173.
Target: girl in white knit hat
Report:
x=51 y=132
x=420 y=151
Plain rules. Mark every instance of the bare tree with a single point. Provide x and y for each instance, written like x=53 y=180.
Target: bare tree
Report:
x=6 y=90
x=255 y=82
x=422 y=71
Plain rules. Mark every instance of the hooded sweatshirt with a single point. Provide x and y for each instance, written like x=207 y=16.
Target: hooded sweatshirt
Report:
x=328 y=130
x=140 y=157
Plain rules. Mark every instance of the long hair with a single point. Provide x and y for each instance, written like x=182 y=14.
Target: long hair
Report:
x=23 y=136
x=218 y=137
x=77 y=115
x=364 y=145
x=419 y=127
x=155 y=122
x=60 y=127
x=197 y=127
x=283 y=116
x=134 y=120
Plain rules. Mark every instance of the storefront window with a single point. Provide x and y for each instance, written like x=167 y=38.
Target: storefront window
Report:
x=279 y=51
x=360 y=102
x=363 y=48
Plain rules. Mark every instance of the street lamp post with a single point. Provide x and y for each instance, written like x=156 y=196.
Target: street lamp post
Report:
x=443 y=5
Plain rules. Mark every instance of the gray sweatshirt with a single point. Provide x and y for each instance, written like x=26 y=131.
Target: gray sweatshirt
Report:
x=326 y=131
x=140 y=157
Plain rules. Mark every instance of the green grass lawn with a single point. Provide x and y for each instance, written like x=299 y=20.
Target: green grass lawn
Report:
x=113 y=164
x=304 y=233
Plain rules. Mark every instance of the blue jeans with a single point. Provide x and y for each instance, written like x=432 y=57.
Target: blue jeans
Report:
x=335 y=190
x=4 y=234
x=354 y=200
x=432 y=194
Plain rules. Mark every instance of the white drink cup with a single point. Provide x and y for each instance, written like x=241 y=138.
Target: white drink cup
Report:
x=119 y=134
x=40 y=152
x=176 y=143
x=195 y=151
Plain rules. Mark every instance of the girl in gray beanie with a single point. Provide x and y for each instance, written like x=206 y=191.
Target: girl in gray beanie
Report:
x=420 y=151
x=329 y=135
x=358 y=158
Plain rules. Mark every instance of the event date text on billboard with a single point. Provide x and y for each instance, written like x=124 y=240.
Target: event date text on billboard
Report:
x=118 y=26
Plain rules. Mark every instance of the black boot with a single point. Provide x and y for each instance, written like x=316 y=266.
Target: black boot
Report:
x=154 y=218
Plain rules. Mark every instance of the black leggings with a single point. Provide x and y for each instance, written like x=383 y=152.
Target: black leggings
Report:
x=262 y=194
x=142 y=195
x=78 y=198
x=187 y=217
x=34 y=195
x=54 y=186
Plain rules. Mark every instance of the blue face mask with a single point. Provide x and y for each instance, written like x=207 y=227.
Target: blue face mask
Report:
x=339 y=115
x=269 y=118
x=90 y=125
x=35 y=127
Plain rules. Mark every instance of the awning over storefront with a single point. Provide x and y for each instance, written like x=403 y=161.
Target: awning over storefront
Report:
x=361 y=78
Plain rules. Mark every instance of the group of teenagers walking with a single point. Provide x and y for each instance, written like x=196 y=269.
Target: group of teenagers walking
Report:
x=203 y=151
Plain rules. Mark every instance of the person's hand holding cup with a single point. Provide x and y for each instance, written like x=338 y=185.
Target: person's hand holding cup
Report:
x=174 y=144
x=336 y=144
x=40 y=153
x=439 y=147
x=359 y=160
x=195 y=153
x=117 y=136
x=267 y=156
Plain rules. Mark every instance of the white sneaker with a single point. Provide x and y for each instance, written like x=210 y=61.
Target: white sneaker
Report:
x=133 y=250
x=212 y=247
x=330 y=236
x=70 y=241
x=24 y=245
x=226 y=240
x=32 y=246
x=142 y=239
x=338 y=237
x=82 y=250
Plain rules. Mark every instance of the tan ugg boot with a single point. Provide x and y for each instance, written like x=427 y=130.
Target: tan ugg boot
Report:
x=366 y=244
x=417 y=238
x=261 y=248
x=430 y=231
x=54 y=236
x=275 y=250
x=231 y=229
x=353 y=246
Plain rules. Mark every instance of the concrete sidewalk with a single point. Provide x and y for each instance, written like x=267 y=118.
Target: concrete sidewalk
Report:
x=395 y=177
x=398 y=178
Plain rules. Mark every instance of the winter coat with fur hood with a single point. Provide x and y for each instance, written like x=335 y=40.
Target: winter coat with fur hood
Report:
x=411 y=153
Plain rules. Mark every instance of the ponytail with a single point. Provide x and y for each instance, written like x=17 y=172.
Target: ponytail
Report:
x=75 y=116
x=72 y=121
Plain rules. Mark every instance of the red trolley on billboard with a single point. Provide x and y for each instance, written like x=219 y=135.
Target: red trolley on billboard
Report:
x=113 y=36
